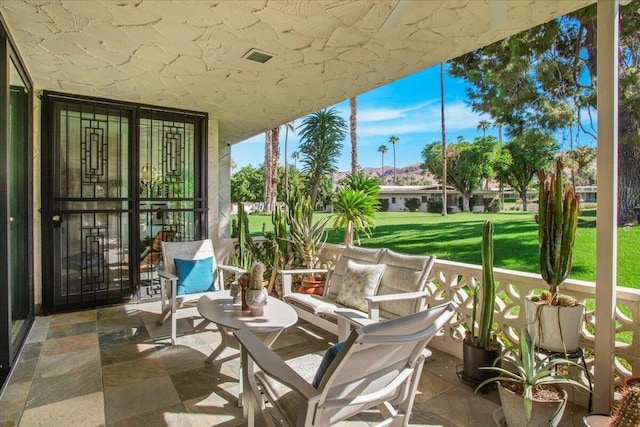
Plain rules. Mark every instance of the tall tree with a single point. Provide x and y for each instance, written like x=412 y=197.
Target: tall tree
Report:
x=353 y=119
x=383 y=150
x=321 y=135
x=444 y=143
x=546 y=77
x=467 y=164
x=526 y=155
x=247 y=185
x=484 y=126
x=581 y=160
x=287 y=127
x=295 y=156
x=271 y=155
x=393 y=140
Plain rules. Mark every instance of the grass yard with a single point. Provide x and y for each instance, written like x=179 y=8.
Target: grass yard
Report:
x=458 y=237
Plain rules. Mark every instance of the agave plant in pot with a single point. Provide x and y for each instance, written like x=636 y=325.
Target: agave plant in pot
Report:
x=307 y=238
x=529 y=387
x=553 y=319
x=482 y=349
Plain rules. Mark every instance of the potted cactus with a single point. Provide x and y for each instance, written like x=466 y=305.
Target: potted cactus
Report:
x=482 y=349
x=626 y=411
x=256 y=295
x=553 y=319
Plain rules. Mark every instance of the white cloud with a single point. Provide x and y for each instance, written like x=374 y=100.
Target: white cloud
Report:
x=421 y=118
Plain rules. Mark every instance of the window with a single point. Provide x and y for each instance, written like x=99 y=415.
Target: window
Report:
x=393 y=200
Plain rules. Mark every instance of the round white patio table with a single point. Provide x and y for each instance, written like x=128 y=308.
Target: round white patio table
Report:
x=218 y=308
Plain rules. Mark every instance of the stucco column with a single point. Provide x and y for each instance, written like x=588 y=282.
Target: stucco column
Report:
x=224 y=190
x=213 y=164
x=607 y=207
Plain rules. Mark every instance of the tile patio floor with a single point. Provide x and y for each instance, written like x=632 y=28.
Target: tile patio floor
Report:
x=113 y=366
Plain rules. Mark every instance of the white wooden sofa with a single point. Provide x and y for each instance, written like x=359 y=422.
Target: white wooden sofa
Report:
x=402 y=290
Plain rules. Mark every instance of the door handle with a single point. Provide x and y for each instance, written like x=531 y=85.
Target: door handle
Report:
x=57 y=221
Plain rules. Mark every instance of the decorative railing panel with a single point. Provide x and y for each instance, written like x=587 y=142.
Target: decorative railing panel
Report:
x=453 y=281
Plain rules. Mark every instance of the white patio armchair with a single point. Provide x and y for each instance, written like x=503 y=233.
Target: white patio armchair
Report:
x=171 y=302
x=378 y=366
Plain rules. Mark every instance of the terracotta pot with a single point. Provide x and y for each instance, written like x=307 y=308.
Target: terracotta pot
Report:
x=632 y=382
x=475 y=357
x=309 y=286
x=551 y=325
x=245 y=307
x=543 y=414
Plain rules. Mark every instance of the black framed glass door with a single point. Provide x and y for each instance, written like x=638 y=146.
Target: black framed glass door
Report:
x=16 y=223
x=120 y=178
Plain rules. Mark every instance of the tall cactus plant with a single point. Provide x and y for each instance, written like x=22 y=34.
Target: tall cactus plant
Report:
x=488 y=287
x=558 y=210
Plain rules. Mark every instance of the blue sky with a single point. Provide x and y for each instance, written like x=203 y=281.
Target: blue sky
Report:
x=408 y=108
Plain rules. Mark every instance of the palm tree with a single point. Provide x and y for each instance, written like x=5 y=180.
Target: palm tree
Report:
x=295 y=156
x=321 y=135
x=271 y=154
x=393 y=140
x=483 y=125
x=498 y=125
x=287 y=127
x=354 y=136
x=444 y=143
x=355 y=204
x=382 y=149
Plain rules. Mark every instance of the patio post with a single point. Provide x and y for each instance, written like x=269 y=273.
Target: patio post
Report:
x=607 y=206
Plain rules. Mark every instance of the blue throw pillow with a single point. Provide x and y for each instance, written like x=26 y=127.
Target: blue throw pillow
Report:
x=194 y=275
x=331 y=354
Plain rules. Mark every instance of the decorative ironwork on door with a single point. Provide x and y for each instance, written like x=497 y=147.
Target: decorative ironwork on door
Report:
x=119 y=180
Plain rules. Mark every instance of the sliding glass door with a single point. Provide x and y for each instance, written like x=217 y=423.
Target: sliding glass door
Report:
x=16 y=278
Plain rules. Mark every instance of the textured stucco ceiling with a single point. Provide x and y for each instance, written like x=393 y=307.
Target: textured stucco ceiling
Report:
x=188 y=54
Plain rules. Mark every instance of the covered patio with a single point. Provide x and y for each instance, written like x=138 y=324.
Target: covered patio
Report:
x=114 y=366
x=198 y=59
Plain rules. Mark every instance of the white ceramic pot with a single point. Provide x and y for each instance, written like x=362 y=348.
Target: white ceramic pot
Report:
x=596 y=420
x=544 y=414
x=256 y=300
x=551 y=325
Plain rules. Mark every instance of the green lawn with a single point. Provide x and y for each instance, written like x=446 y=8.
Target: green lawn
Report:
x=458 y=237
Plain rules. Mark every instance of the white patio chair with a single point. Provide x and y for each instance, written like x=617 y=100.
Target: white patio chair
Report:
x=378 y=366
x=170 y=301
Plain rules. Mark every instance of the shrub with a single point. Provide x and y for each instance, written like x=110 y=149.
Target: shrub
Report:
x=412 y=204
x=384 y=205
x=434 y=206
x=492 y=205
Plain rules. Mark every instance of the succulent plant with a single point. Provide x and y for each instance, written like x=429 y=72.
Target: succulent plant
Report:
x=626 y=412
x=558 y=210
x=488 y=285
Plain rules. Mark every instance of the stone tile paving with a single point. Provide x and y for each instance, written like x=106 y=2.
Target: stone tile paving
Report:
x=114 y=366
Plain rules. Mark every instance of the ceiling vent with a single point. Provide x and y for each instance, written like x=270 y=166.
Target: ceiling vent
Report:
x=257 y=56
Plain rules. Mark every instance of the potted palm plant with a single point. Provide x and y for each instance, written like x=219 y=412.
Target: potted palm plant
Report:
x=529 y=391
x=555 y=319
x=481 y=349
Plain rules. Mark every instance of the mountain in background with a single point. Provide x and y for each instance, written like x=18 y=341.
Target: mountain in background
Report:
x=406 y=175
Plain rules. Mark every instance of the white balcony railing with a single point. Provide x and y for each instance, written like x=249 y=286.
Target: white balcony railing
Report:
x=449 y=281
